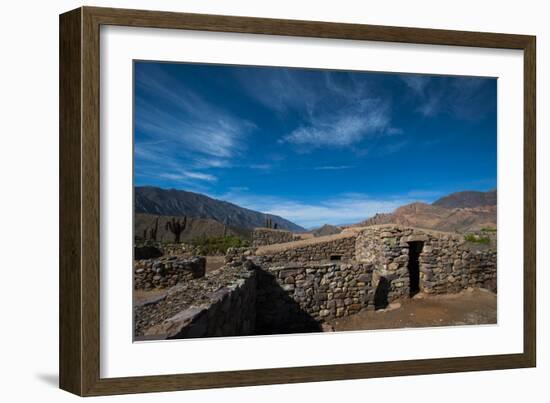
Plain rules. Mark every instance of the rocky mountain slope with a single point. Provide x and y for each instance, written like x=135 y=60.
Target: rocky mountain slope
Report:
x=468 y=199
x=458 y=212
x=326 y=229
x=171 y=202
x=195 y=228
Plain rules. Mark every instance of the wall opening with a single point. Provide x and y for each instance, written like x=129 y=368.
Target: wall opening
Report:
x=415 y=248
x=335 y=257
x=381 y=294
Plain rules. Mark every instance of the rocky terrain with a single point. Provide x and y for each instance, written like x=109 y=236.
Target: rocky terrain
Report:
x=326 y=229
x=468 y=199
x=172 y=202
x=195 y=228
x=186 y=294
x=458 y=212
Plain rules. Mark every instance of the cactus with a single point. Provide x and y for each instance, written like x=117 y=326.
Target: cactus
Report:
x=176 y=227
x=270 y=224
x=154 y=230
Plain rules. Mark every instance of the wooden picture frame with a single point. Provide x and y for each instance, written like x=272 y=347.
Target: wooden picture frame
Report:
x=80 y=199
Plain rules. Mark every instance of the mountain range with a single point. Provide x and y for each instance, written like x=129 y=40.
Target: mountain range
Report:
x=172 y=202
x=457 y=212
x=467 y=199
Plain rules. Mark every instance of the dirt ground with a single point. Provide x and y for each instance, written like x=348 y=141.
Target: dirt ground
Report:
x=141 y=296
x=470 y=307
x=214 y=263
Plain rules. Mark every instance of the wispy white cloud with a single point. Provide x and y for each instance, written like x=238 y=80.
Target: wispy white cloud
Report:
x=394 y=130
x=339 y=111
x=341 y=209
x=458 y=96
x=343 y=128
x=188 y=136
x=332 y=167
x=263 y=167
x=392 y=147
x=187 y=175
x=417 y=83
x=429 y=100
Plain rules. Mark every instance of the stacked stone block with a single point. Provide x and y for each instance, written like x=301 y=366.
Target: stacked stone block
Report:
x=166 y=271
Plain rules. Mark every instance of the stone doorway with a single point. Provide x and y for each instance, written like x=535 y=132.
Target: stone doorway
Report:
x=381 y=294
x=415 y=248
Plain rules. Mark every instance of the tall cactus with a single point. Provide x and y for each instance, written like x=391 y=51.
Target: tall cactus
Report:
x=176 y=227
x=154 y=230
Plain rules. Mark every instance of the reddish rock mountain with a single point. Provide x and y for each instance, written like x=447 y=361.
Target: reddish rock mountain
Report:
x=457 y=212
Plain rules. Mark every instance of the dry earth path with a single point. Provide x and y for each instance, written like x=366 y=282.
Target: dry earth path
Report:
x=470 y=307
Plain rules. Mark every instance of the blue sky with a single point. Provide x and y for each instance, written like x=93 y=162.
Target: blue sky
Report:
x=313 y=146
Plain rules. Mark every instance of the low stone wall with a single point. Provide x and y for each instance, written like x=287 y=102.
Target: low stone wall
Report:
x=337 y=247
x=268 y=236
x=166 y=271
x=295 y=298
x=456 y=266
x=447 y=263
x=179 y=249
x=150 y=250
x=220 y=304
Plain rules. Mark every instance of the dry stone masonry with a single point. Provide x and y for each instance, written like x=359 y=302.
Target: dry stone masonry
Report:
x=298 y=285
x=294 y=298
x=167 y=271
x=220 y=304
x=410 y=260
x=339 y=247
x=269 y=236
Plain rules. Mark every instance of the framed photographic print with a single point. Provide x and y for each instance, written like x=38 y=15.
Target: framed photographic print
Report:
x=250 y=201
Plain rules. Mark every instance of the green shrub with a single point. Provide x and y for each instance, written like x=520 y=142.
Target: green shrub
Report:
x=477 y=239
x=216 y=245
x=488 y=229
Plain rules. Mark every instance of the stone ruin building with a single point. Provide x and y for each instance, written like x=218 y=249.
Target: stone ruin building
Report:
x=283 y=285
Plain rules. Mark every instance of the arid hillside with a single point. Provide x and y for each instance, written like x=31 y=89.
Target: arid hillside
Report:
x=463 y=217
x=172 y=202
x=146 y=224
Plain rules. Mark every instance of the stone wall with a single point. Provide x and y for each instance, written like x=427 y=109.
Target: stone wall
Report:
x=178 y=249
x=166 y=271
x=337 y=247
x=447 y=263
x=268 y=236
x=220 y=304
x=295 y=287
x=448 y=267
x=150 y=249
x=296 y=298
